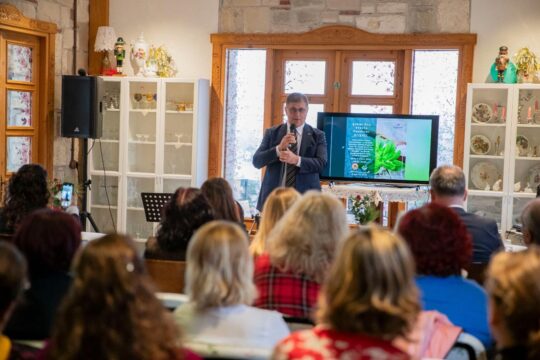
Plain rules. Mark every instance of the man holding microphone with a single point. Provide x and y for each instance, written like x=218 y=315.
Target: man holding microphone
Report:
x=294 y=153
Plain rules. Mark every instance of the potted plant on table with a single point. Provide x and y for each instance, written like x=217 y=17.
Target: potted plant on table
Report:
x=364 y=209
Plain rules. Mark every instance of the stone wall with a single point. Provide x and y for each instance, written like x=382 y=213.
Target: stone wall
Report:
x=61 y=13
x=382 y=16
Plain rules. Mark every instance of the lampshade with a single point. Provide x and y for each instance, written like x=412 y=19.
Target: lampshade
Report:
x=105 y=39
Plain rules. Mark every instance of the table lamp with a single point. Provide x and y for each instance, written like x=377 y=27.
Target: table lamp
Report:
x=105 y=39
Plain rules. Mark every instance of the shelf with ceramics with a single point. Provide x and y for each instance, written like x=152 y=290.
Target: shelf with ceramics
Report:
x=502 y=142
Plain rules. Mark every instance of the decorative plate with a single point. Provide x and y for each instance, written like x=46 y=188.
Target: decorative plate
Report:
x=484 y=173
x=480 y=145
x=522 y=144
x=533 y=177
x=481 y=113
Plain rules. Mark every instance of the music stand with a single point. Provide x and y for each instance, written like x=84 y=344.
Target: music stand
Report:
x=153 y=203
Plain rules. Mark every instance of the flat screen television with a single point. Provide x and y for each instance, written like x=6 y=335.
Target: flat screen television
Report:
x=380 y=148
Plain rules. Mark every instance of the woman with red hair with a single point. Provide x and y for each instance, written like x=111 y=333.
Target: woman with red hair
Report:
x=442 y=246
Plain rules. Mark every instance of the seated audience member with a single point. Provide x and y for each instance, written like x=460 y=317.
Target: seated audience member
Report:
x=220 y=196
x=530 y=220
x=368 y=299
x=300 y=250
x=219 y=283
x=448 y=188
x=12 y=281
x=49 y=240
x=187 y=210
x=277 y=203
x=441 y=247
x=27 y=191
x=513 y=287
x=111 y=311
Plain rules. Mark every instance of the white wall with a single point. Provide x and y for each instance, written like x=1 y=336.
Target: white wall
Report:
x=515 y=24
x=183 y=26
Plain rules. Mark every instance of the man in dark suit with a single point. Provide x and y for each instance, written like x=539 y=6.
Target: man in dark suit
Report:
x=448 y=188
x=530 y=219
x=294 y=153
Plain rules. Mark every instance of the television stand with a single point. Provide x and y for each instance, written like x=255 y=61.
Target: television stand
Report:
x=396 y=198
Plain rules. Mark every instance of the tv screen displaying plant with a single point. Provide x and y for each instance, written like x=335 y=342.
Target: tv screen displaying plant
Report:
x=380 y=148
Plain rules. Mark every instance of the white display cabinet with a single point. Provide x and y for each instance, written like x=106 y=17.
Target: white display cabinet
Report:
x=502 y=150
x=155 y=139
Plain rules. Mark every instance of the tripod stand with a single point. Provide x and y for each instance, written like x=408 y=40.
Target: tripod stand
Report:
x=84 y=213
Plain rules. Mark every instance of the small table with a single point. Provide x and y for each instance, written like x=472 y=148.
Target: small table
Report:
x=396 y=197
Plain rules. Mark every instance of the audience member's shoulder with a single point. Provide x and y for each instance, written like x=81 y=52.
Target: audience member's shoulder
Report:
x=262 y=261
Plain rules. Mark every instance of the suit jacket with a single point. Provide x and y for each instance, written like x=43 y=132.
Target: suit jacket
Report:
x=313 y=154
x=485 y=235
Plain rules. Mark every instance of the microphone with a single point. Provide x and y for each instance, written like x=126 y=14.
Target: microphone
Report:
x=292 y=131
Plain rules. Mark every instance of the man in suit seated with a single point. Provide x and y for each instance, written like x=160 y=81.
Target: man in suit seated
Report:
x=530 y=219
x=294 y=153
x=448 y=188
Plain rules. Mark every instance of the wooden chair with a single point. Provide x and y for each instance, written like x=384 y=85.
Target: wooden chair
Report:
x=168 y=275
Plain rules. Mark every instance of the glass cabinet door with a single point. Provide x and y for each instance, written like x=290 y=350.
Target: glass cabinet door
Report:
x=142 y=127
x=104 y=202
x=178 y=128
x=136 y=223
x=106 y=151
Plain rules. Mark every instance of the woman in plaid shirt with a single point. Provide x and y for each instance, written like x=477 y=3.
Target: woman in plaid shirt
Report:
x=300 y=249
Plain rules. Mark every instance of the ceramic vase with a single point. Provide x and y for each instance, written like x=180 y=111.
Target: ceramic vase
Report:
x=139 y=53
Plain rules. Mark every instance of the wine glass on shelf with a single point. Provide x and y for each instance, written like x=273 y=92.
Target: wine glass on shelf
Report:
x=150 y=100
x=137 y=97
x=139 y=136
x=146 y=137
x=178 y=144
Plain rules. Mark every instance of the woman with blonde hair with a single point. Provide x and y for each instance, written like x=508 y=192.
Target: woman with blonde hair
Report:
x=111 y=311
x=277 y=203
x=300 y=249
x=219 y=283
x=369 y=299
x=513 y=288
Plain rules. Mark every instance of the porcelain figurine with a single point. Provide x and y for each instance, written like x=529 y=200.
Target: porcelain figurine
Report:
x=503 y=70
x=517 y=186
x=120 y=54
x=487 y=188
x=528 y=189
x=498 y=185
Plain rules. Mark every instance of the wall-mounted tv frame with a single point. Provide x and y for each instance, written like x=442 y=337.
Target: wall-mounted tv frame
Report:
x=383 y=148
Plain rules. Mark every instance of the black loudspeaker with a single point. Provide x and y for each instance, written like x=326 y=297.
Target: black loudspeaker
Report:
x=81 y=106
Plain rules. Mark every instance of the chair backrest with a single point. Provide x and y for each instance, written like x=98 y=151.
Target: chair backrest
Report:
x=467 y=347
x=228 y=352
x=298 y=324
x=168 y=275
x=172 y=300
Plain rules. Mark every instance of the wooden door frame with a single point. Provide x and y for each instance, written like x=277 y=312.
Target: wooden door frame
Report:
x=395 y=100
x=11 y=19
x=279 y=97
x=336 y=37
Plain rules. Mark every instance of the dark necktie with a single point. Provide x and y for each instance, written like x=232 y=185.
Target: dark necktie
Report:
x=292 y=169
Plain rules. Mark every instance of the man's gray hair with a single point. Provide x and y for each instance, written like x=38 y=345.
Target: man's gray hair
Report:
x=447 y=180
x=297 y=97
x=530 y=218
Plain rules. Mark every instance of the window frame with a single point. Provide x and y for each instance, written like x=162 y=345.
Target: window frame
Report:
x=14 y=22
x=336 y=37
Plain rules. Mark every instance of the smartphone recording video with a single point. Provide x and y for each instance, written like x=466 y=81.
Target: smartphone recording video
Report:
x=67 y=195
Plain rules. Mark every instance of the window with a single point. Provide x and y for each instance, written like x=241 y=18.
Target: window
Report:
x=244 y=121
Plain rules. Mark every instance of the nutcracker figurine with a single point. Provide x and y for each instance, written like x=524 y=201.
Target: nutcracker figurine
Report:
x=120 y=54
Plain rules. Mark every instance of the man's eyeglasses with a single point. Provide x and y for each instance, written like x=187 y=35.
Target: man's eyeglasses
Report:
x=297 y=110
